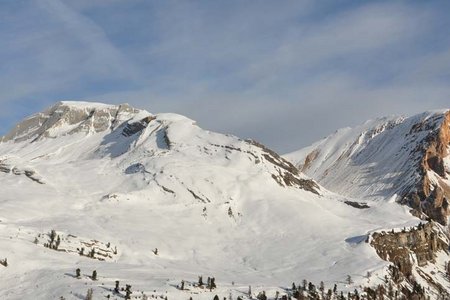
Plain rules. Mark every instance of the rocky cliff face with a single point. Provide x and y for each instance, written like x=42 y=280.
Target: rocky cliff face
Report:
x=417 y=245
x=433 y=190
x=68 y=118
x=411 y=251
x=405 y=158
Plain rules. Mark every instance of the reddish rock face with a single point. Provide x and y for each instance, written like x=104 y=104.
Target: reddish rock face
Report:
x=435 y=195
x=420 y=242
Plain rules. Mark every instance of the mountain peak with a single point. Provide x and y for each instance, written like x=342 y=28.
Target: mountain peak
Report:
x=407 y=158
x=69 y=117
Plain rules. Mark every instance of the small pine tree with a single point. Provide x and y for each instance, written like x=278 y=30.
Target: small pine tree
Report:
x=262 y=296
x=52 y=235
x=304 y=283
x=94 y=275
x=322 y=289
x=128 y=291
x=230 y=212
x=58 y=242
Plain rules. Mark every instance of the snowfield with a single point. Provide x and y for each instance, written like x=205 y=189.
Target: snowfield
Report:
x=125 y=182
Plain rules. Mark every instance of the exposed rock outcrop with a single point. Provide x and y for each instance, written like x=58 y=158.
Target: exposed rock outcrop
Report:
x=8 y=167
x=68 y=118
x=288 y=174
x=406 y=248
x=432 y=189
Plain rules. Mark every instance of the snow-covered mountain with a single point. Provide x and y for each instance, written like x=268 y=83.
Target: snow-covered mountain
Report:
x=406 y=159
x=153 y=199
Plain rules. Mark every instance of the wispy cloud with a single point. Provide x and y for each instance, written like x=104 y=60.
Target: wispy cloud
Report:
x=285 y=73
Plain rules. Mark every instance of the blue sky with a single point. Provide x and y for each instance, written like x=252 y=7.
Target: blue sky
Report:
x=285 y=73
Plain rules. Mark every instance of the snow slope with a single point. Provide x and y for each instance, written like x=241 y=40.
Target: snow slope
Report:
x=123 y=182
x=379 y=159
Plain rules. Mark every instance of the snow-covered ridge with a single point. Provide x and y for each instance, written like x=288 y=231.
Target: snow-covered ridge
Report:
x=86 y=131
x=382 y=158
x=70 y=117
x=178 y=202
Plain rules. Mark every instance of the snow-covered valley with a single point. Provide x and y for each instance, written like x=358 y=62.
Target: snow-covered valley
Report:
x=160 y=200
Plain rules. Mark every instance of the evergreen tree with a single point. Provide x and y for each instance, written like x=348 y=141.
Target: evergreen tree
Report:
x=58 y=242
x=322 y=289
x=304 y=282
x=94 y=275
x=52 y=235
x=128 y=291
x=262 y=296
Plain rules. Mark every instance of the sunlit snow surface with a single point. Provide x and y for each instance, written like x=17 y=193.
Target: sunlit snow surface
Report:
x=375 y=160
x=171 y=187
